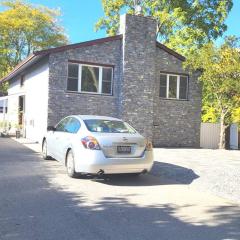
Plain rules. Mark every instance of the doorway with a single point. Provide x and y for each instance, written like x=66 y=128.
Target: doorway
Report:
x=21 y=113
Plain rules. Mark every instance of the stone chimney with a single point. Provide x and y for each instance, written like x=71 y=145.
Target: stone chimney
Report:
x=138 y=71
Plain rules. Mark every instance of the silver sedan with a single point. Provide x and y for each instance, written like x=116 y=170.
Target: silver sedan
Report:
x=97 y=145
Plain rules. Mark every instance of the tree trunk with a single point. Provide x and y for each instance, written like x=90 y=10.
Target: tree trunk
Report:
x=222 y=143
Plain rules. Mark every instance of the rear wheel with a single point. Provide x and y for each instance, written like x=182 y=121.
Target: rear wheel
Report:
x=70 y=165
x=44 y=151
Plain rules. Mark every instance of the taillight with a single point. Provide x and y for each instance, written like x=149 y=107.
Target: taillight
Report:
x=149 y=146
x=90 y=143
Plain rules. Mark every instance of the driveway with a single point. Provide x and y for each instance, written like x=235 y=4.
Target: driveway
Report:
x=39 y=202
x=218 y=170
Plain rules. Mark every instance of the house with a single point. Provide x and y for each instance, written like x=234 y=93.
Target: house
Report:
x=129 y=76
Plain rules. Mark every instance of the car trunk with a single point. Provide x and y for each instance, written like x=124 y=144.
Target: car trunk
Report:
x=115 y=145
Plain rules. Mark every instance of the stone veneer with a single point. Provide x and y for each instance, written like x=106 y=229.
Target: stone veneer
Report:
x=62 y=102
x=176 y=122
x=137 y=64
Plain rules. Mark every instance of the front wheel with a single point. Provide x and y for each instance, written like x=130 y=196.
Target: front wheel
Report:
x=71 y=165
x=44 y=151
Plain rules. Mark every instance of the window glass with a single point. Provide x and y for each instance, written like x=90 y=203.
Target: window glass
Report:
x=108 y=126
x=73 y=70
x=172 y=93
x=183 y=87
x=72 y=84
x=90 y=79
x=73 y=125
x=61 y=126
x=107 y=80
x=163 y=86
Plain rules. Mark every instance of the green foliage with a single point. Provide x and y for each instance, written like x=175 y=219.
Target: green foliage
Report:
x=209 y=114
x=236 y=116
x=220 y=67
x=4 y=87
x=25 y=28
x=183 y=25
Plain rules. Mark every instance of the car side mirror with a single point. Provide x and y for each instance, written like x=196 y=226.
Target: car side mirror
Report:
x=51 y=128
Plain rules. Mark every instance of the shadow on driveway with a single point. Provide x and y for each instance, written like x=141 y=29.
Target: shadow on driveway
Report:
x=32 y=208
x=161 y=174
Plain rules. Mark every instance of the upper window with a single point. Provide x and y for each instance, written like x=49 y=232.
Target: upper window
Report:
x=173 y=86
x=90 y=79
x=22 y=80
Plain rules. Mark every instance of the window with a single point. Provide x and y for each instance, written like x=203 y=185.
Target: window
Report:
x=61 y=126
x=89 y=78
x=172 y=90
x=108 y=126
x=183 y=87
x=72 y=84
x=163 y=85
x=22 y=80
x=173 y=86
x=73 y=125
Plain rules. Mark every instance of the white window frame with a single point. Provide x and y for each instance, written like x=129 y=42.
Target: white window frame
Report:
x=178 y=86
x=100 y=78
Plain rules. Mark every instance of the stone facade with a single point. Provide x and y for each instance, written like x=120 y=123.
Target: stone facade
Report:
x=138 y=59
x=63 y=103
x=137 y=62
x=176 y=122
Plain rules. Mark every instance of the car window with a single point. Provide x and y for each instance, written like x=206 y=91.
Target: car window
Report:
x=108 y=126
x=61 y=126
x=73 y=125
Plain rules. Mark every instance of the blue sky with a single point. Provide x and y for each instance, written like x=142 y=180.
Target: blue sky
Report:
x=79 y=17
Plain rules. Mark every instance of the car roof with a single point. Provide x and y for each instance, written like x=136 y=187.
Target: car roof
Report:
x=86 y=117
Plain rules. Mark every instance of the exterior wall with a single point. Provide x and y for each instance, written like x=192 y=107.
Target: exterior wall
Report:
x=138 y=60
x=36 y=102
x=176 y=122
x=63 y=103
x=14 y=92
x=3 y=107
x=35 y=90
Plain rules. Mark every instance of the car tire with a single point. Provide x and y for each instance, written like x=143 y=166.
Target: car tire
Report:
x=70 y=165
x=44 y=151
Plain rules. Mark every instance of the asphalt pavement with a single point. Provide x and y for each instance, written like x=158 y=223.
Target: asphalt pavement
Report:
x=39 y=202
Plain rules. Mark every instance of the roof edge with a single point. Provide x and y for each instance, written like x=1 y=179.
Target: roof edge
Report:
x=25 y=61
x=58 y=49
x=35 y=55
x=79 y=45
x=170 y=51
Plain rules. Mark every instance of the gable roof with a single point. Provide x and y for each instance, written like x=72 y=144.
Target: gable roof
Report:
x=37 y=55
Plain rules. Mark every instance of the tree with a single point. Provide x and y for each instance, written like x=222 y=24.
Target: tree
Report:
x=183 y=25
x=220 y=67
x=25 y=28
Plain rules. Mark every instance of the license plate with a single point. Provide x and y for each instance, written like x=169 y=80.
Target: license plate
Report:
x=123 y=149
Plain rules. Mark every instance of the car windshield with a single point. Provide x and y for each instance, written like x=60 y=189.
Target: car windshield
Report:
x=108 y=126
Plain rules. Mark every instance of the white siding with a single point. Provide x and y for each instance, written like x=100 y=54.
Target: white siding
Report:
x=36 y=103
x=35 y=90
